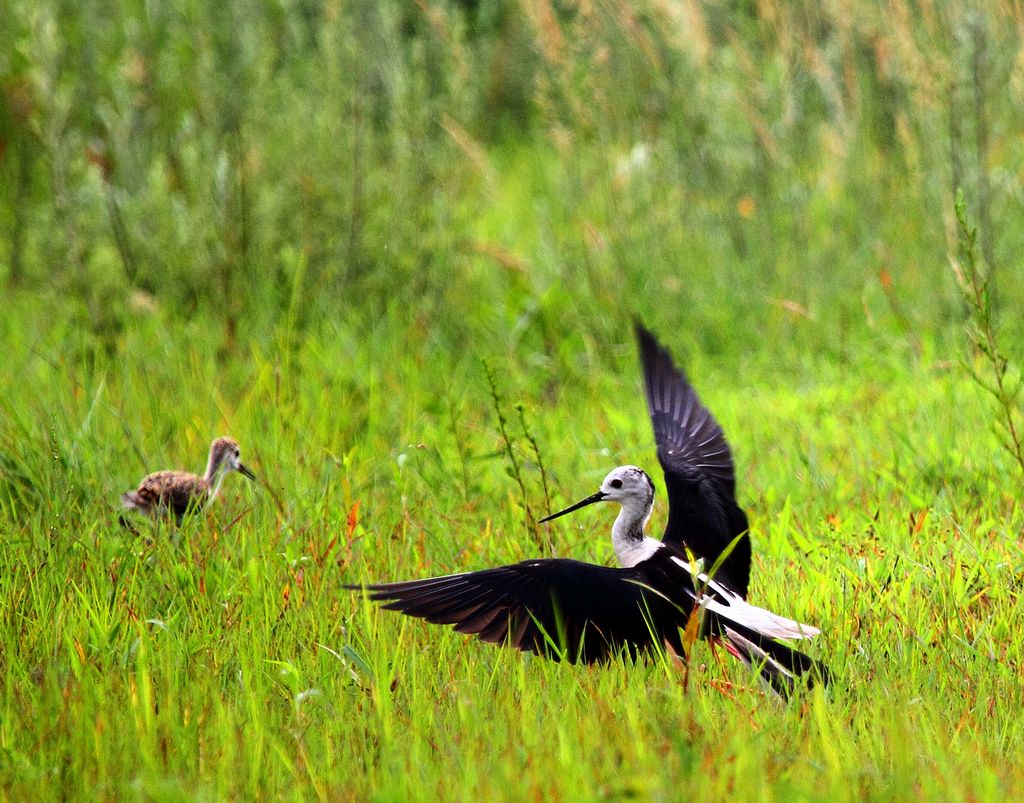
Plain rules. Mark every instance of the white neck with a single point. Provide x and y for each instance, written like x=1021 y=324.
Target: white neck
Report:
x=217 y=479
x=215 y=473
x=631 y=545
x=211 y=467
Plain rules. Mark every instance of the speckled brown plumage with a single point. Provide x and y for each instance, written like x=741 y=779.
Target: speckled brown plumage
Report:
x=176 y=492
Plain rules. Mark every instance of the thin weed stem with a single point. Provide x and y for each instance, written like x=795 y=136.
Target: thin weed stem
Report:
x=521 y=409
x=975 y=284
x=530 y=521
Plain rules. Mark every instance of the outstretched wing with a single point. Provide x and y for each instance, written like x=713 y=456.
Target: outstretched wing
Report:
x=560 y=608
x=699 y=474
x=582 y=612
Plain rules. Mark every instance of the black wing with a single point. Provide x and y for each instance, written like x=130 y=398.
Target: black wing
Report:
x=699 y=474
x=559 y=608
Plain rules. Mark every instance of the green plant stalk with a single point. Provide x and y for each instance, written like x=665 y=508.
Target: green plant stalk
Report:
x=530 y=522
x=975 y=285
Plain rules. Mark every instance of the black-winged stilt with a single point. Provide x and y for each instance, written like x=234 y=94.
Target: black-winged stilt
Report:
x=583 y=612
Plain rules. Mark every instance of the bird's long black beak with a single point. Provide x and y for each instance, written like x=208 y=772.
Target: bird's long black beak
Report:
x=246 y=473
x=588 y=501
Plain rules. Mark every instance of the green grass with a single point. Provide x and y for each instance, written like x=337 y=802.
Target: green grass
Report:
x=228 y=661
x=309 y=226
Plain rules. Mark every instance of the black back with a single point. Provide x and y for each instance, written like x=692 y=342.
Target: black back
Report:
x=699 y=474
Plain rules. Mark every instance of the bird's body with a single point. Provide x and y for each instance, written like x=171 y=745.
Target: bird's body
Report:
x=580 y=612
x=175 y=493
x=584 y=612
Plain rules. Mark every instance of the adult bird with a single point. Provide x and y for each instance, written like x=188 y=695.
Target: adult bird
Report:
x=584 y=612
x=176 y=492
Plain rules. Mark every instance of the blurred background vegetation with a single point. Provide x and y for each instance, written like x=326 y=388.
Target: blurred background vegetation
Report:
x=741 y=173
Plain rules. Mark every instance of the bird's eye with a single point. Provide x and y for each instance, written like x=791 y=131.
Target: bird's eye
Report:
x=616 y=483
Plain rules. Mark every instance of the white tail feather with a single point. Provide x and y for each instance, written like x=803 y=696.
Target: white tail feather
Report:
x=736 y=609
x=733 y=607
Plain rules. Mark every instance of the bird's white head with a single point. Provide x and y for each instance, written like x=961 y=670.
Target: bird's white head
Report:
x=632 y=488
x=629 y=486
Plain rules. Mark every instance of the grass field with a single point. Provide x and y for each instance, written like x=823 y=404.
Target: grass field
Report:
x=318 y=227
